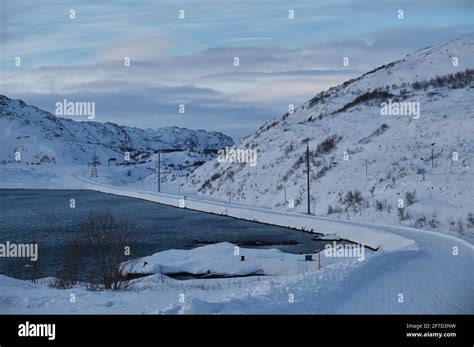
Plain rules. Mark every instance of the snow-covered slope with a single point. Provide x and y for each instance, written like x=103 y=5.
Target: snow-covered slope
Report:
x=41 y=137
x=363 y=162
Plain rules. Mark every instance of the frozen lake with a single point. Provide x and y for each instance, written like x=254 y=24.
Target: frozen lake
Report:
x=44 y=217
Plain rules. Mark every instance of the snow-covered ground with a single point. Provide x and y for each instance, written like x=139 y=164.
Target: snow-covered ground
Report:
x=430 y=280
x=161 y=294
x=412 y=271
x=432 y=271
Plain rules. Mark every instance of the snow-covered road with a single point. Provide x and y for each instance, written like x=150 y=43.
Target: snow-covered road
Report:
x=438 y=278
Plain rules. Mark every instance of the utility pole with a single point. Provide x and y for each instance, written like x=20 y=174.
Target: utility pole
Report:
x=432 y=155
x=307 y=176
x=158 y=168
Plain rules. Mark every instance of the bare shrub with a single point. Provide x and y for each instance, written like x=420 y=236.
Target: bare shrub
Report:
x=460 y=227
x=73 y=262
x=433 y=222
x=403 y=214
x=30 y=270
x=379 y=205
x=452 y=224
x=422 y=172
x=410 y=198
x=60 y=283
x=289 y=149
x=335 y=209
x=328 y=145
x=421 y=222
x=372 y=190
x=353 y=200
x=470 y=220
x=104 y=239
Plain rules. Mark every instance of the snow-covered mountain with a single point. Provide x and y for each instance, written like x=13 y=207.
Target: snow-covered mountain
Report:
x=364 y=162
x=40 y=137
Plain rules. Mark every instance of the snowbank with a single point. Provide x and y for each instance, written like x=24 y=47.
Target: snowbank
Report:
x=222 y=259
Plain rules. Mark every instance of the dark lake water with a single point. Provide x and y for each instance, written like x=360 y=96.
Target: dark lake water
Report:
x=44 y=217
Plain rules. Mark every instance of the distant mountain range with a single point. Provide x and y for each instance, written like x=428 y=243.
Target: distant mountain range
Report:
x=41 y=137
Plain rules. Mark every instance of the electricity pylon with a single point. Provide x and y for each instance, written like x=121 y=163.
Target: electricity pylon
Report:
x=94 y=163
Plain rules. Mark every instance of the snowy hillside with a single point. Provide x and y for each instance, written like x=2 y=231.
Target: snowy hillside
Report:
x=39 y=137
x=366 y=164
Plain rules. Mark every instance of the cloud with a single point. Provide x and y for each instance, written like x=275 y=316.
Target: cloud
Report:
x=285 y=92
x=145 y=47
x=192 y=61
x=218 y=95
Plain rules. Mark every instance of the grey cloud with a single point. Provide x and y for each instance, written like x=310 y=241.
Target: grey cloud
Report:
x=147 y=93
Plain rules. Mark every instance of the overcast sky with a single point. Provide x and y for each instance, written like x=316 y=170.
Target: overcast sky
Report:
x=191 y=61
